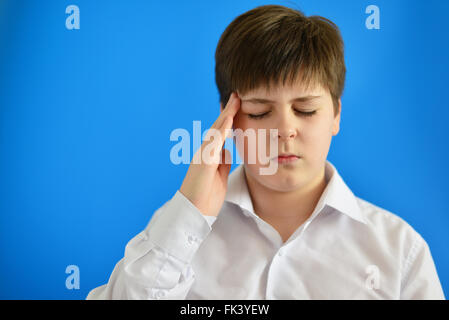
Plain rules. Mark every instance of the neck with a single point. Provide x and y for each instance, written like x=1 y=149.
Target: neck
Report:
x=286 y=208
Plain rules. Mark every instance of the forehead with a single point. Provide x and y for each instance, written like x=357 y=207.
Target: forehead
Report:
x=285 y=92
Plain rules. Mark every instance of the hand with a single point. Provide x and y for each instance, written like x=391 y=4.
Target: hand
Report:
x=206 y=182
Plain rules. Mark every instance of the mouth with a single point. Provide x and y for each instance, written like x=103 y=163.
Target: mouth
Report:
x=285 y=158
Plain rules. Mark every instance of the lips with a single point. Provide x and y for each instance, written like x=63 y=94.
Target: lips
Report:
x=282 y=155
x=286 y=158
x=287 y=155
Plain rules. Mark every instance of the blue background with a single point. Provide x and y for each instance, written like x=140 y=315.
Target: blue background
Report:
x=86 y=116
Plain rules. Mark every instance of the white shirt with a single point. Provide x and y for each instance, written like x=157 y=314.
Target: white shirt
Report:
x=347 y=249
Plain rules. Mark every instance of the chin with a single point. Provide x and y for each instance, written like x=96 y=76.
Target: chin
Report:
x=282 y=184
x=282 y=181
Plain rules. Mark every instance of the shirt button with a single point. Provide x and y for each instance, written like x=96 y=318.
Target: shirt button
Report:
x=190 y=239
x=160 y=294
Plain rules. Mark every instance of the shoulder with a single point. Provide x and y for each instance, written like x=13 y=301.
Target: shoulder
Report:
x=389 y=228
x=379 y=218
x=400 y=250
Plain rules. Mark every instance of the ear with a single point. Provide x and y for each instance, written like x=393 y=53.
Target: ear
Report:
x=336 y=123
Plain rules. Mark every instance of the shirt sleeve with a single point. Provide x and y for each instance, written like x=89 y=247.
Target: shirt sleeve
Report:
x=420 y=279
x=157 y=261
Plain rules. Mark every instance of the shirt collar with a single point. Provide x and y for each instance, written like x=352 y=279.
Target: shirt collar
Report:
x=336 y=194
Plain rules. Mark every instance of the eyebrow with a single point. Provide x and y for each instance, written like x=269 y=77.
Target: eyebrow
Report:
x=265 y=101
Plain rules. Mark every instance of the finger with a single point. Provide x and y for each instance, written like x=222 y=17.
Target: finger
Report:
x=233 y=106
x=230 y=109
x=214 y=142
x=220 y=130
x=226 y=126
x=226 y=129
x=217 y=136
x=225 y=165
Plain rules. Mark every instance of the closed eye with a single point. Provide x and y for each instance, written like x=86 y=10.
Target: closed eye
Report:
x=301 y=113
x=258 y=116
x=306 y=113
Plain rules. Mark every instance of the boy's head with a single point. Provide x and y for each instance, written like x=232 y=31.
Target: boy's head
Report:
x=270 y=56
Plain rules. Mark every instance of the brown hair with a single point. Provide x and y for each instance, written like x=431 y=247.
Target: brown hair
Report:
x=272 y=41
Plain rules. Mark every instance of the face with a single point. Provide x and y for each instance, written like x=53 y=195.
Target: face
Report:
x=305 y=122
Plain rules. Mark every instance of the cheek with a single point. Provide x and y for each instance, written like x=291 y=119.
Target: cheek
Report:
x=313 y=131
x=316 y=139
x=316 y=128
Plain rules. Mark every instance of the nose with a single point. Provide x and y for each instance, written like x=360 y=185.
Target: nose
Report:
x=286 y=129
x=286 y=134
